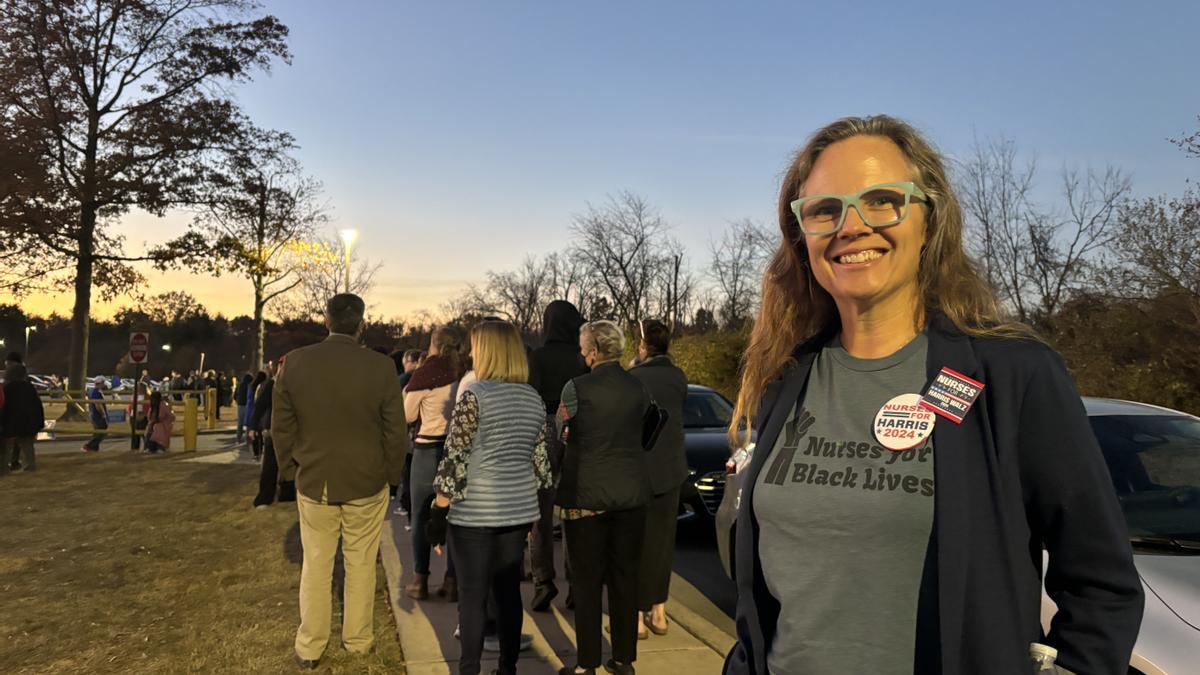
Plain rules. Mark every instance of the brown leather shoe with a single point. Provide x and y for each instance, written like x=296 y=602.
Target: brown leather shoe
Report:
x=449 y=589
x=419 y=588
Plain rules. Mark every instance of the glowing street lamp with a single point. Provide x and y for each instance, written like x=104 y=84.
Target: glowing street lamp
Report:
x=28 y=330
x=349 y=236
x=166 y=348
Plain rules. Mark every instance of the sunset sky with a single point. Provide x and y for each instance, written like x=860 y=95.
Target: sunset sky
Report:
x=458 y=137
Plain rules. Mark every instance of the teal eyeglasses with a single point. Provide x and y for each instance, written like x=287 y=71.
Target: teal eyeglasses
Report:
x=879 y=206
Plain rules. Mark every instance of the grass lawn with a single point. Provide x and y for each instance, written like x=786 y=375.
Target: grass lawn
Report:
x=128 y=563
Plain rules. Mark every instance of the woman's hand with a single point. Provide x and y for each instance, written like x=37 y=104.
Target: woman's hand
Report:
x=436 y=528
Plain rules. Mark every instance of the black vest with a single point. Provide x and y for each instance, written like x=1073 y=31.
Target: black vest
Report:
x=604 y=466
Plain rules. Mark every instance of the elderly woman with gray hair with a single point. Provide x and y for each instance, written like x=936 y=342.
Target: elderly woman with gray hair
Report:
x=603 y=494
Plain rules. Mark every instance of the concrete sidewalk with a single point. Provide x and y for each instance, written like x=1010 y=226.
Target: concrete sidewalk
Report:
x=699 y=637
x=217 y=447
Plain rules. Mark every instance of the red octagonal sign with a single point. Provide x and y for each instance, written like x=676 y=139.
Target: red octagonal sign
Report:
x=139 y=347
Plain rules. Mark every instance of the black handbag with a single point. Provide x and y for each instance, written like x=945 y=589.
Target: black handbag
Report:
x=653 y=421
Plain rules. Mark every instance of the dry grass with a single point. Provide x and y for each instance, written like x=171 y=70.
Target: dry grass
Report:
x=125 y=563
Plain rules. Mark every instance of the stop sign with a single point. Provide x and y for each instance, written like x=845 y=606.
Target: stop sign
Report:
x=139 y=347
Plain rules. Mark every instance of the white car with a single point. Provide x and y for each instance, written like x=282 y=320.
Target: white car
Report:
x=1153 y=456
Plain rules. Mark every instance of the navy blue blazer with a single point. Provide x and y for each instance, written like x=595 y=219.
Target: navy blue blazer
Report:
x=1021 y=473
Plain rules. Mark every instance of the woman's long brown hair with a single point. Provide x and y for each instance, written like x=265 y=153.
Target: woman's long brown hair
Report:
x=796 y=308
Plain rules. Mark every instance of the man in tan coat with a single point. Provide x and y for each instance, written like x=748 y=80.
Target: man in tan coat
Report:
x=340 y=433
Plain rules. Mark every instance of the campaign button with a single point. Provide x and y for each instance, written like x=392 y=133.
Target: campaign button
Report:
x=951 y=395
x=902 y=423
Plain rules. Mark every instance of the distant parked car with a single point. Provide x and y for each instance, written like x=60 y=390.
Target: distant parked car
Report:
x=41 y=383
x=1153 y=456
x=112 y=384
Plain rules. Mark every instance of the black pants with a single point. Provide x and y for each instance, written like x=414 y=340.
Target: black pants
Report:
x=100 y=432
x=658 y=550
x=606 y=549
x=268 y=479
x=541 y=543
x=488 y=561
x=405 y=493
x=20 y=449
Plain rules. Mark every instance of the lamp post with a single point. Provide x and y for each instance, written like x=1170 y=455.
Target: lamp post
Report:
x=349 y=236
x=28 y=330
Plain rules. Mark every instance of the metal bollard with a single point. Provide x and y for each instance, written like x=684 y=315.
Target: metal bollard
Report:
x=191 y=426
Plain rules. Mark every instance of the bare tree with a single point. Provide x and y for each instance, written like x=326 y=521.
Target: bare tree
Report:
x=519 y=295
x=675 y=285
x=736 y=270
x=516 y=296
x=995 y=194
x=1035 y=257
x=259 y=205
x=1160 y=245
x=619 y=245
x=321 y=265
x=1063 y=247
x=567 y=280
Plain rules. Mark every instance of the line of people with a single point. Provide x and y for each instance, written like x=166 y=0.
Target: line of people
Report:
x=876 y=332
x=503 y=441
x=556 y=431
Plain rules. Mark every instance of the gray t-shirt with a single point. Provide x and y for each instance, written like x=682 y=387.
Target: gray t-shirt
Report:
x=845 y=522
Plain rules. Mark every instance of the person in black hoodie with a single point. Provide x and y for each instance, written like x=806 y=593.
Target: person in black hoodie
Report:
x=667 y=466
x=260 y=426
x=21 y=418
x=551 y=366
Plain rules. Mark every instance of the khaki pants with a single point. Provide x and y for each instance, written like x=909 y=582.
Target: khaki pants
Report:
x=359 y=524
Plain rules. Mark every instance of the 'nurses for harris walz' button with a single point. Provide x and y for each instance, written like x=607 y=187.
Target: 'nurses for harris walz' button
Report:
x=902 y=423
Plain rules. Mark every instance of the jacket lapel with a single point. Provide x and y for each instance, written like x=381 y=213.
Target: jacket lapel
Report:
x=778 y=400
x=952 y=514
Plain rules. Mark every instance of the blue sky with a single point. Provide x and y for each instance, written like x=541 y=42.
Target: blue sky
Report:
x=460 y=136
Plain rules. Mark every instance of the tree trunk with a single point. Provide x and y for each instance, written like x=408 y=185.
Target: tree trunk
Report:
x=256 y=361
x=81 y=313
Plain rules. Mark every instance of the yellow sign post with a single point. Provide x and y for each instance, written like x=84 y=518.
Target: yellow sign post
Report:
x=191 y=426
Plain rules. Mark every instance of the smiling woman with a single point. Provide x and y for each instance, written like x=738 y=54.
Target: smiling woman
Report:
x=911 y=445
